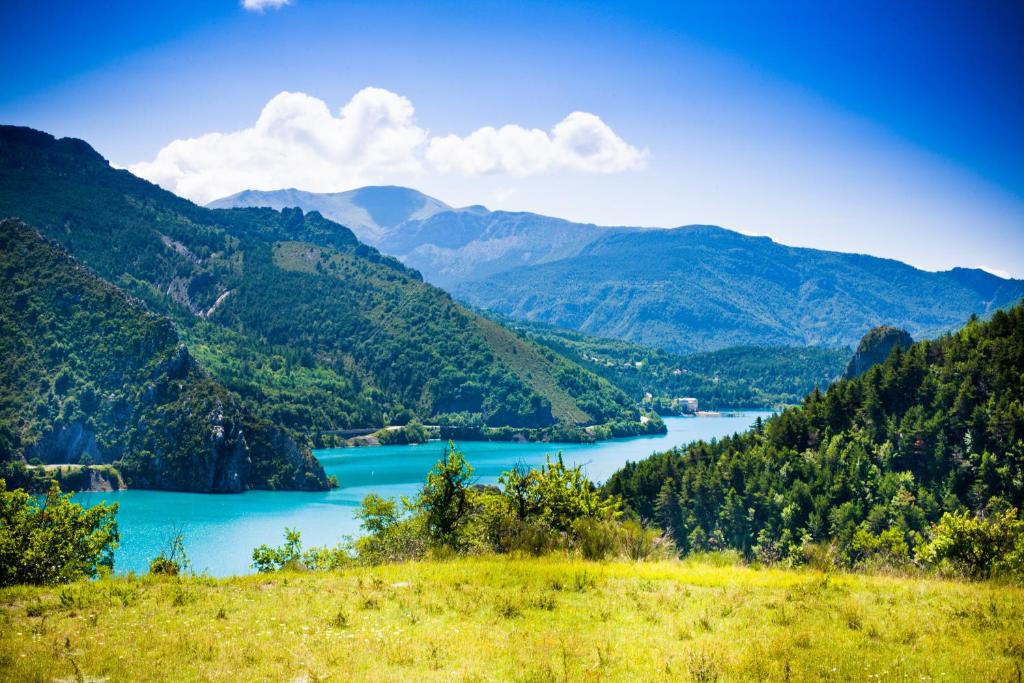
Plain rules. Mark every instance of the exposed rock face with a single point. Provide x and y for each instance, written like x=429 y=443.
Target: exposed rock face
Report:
x=230 y=451
x=66 y=444
x=296 y=468
x=103 y=480
x=875 y=347
x=229 y=465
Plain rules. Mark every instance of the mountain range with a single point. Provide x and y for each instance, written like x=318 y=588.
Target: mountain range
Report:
x=687 y=289
x=291 y=332
x=448 y=245
x=307 y=328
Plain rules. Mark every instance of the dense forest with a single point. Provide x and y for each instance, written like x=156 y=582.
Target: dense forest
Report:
x=310 y=328
x=736 y=377
x=90 y=377
x=867 y=466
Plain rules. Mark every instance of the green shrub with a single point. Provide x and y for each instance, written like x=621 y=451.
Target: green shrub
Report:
x=597 y=539
x=565 y=495
x=55 y=540
x=605 y=538
x=824 y=557
x=978 y=547
x=391 y=536
x=289 y=555
x=534 y=537
x=556 y=494
x=322 y=558
x=172 y=561
x=445 y=498
x=644 y=543
x=887 y=549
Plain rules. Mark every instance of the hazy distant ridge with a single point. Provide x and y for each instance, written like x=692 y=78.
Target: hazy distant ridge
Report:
x=686 y=289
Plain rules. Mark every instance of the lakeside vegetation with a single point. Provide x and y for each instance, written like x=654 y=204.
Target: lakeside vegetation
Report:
x=544 y=577
x=514 y=569
x=39 y=478
x=934 y=435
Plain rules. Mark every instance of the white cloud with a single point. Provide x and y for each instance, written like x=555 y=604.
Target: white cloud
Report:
x=580 y=142
x=298 y=142
x=260 y=5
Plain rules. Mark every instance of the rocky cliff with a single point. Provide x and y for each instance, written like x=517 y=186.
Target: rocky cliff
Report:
x=875 y=347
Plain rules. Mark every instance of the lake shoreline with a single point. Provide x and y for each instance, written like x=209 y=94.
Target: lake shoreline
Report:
x=106 y=478
x=220 y=532
x=649 y=423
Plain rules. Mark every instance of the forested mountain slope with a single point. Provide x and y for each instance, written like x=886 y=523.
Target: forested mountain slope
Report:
x=869 y=464
x=312 y=329
x=89 y=376
x=705 y=288
x=736 y=377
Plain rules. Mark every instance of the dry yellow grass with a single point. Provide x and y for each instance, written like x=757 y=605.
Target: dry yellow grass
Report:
x=502 y=619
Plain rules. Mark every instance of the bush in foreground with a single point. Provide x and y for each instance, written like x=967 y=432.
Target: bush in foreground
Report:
x=978 y=547
x=54 y=540
x=173 y=560
x=532 y=511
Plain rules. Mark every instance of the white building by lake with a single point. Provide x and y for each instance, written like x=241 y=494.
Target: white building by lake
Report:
x=687 y=404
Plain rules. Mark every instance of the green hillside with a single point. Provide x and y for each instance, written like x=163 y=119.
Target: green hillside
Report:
x=90 y=377
x=736 y=377
x=867 y=466
x=312 y=329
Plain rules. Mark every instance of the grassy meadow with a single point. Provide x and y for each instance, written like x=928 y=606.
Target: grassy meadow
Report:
x=481 y=619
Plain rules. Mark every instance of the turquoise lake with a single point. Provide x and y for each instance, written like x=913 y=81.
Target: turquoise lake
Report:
x=220 y=531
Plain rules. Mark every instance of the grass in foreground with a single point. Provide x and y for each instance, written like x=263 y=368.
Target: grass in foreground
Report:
x=526 y=619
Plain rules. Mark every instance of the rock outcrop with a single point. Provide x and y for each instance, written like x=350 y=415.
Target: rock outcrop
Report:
x=67 y=444
x=875 y=347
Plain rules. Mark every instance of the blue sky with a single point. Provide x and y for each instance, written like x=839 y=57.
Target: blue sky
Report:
x=885 y=128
